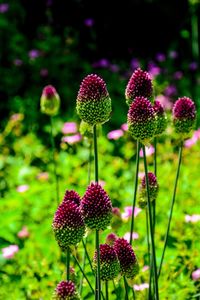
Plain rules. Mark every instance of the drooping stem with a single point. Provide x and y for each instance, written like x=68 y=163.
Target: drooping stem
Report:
x=106 y=286
x=54 y=161
x=80 y=268
x=126 y=289
x=151 y=226
x=171 y=208
x=68 y=263
x=98 y=280
x=135 y=190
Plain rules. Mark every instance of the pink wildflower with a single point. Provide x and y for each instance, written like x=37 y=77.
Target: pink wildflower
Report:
x=128 y=212
x=192 y=218
x=141 y=286
x=10 y=251
x=23 y=233
x=22 y=188
x=196 y=274
x=127 y=236
x=115 y=134
x=124 y=127
x=72 y=139
x=149 y=151
x=69 y=127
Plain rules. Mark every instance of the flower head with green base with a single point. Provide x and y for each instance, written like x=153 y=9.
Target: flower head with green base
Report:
x=109 y=263
x=93 y=102
x=153 y=189
x=161 y=120
x=65 y=290
x=184 y=116
x=127 y=258
x=50 y=101
x=141 y=120
x=96 y=207
x=68 y=225
x=139 y=85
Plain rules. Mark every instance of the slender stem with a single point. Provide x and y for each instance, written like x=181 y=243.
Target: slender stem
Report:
x=133 y=292
x=54 y=161
x=126 y=288
x=95 y=154
x=68 y=263
x=155 y=173
x=98 y=281
x=171 y=208
x=81 y=281
x=98 y=266
x=86 y=253
x=151 y=225
x=89 y=162
x=106 y=286
x=116 y=290
x=82 y=271
x=135 y=190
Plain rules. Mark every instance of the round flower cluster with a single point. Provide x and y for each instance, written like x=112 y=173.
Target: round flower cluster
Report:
x=161 y=120
x=96 y=207
x=50 y=101
x=141 y=120
x=184 y=116
x=93 y=103
x=109 y=263
x=68 y=225
x=128 y=261
x=65 y=290
x=153 y=189
x=139 y=85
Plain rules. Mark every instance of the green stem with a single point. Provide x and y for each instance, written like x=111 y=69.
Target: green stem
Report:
x=151 y=225
x=155 y=173
x=98 y=280
x=54 y=161
x=106 y=286
x=81 y=281
x=135 y=190
x=68 y=263
x=171 y=208
x=116 y=290
x=82 y=271
x=126 y=288
x=86 y=253
x=98 y=266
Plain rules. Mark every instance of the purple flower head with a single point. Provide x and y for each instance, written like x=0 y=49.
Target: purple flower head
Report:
x=96 y=207
x=178 y=75
x=114 y=68
x=170 y=91
x=4 y=7
x=102 y=63
x=153 y=189
x=173 y=54
x=93 y=101
x=141 y=119
x=140 y=84
x=66 y=290
x=49 y=101
x=115 y=134
x=127 y=258
x=34 y=53
x=71 y=195
x=111 y=238
x=135 y=64
x=18 y=62
x=89 y=22
x=109 y=263
x=44 y=72
x=68 y=224
x=184 y=115
x=193 y=66
x=161 y=118
x=160 y=57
